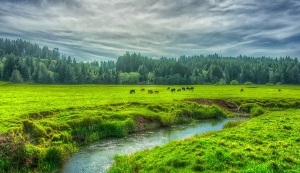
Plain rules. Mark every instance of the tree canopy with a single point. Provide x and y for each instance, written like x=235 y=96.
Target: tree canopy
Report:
x=22 y=61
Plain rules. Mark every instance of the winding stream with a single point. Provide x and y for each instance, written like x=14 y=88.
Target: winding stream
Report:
x=98 y=157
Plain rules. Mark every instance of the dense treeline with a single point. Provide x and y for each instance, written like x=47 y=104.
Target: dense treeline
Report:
x=22 y=61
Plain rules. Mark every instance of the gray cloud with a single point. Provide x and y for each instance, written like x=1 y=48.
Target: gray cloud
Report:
x=103 y=30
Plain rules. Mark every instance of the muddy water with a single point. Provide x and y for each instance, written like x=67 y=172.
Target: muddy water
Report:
x=98 y=157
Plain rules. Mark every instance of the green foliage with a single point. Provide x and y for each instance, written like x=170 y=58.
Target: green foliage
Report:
x=254 y=146
x=41 y=65
x=231 y=124
x=222 y=81
x=33 y=129
x=16 y=77
x=270 y=84
x=256 y=111
x=234 y=82
x=54 y=156
x=45 y=116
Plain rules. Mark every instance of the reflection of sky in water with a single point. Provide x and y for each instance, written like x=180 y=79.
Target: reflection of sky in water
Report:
x=99 y=156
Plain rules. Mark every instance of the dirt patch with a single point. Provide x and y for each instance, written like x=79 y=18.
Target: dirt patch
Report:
x=145 y=123
x=2 y=140
x=226 y=105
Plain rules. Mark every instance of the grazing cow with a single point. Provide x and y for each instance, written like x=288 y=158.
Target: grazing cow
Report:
x=150 y=91
x=132 y=91
x=178 y=90
x=279 y=90
x=192 y=88
x=242 y=90
x=168 y=88
x=183 y=88
x=156 y=92
x=187 y=88
x=173 y=90
x=143 y=89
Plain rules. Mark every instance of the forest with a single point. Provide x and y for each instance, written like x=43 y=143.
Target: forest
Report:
x=24 y=62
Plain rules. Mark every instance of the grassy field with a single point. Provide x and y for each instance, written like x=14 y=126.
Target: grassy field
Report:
x=18 y=100
x=268 y=143
x=46 y=123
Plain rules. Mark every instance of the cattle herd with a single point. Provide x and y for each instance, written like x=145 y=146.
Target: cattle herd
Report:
x=173 y=90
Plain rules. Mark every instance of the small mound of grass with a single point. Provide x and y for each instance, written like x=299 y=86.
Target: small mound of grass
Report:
x=231 y=124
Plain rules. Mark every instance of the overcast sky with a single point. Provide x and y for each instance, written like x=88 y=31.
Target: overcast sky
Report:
x=104 y=29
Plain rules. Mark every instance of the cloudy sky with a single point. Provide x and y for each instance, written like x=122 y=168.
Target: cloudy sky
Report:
x=105 y=29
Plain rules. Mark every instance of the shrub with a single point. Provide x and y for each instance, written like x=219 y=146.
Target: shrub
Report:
x=279 y=83
x=54 y=157
x=234 y=82
x=168 y=119
x=212 y=111
x=256 y=111
x=222 y=82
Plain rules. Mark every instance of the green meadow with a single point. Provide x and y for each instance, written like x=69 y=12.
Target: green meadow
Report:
x=42 y=125
x=268 y=143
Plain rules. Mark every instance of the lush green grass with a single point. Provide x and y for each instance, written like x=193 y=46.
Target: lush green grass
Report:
x=17 y=100
x=268 y=143
x=46 y=123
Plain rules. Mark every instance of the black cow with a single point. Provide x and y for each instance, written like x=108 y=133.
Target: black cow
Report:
x=132 y=91
x=192 y=88
x=187 y=88
x=178 y=90
x=150 y=91
x=183 y=88
x=242 y=90
x=279 y=90
x=156 y=92
x=173 y=90
x=168 y=88
x=142 y=89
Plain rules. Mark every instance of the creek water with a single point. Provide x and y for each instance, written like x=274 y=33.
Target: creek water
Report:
x=98 y=157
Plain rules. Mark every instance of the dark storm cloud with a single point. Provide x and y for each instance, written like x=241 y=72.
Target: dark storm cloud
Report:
x=93 y=29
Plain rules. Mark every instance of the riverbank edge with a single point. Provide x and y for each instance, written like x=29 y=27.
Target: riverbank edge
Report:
x=33 y=158
x=267 y=143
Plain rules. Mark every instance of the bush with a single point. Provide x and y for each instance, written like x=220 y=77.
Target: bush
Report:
x=234 y=82
x=54 y=157
x=222 y=82
x=208 y=112
x=256 y=111
x=270 y=84
x=279 y=83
